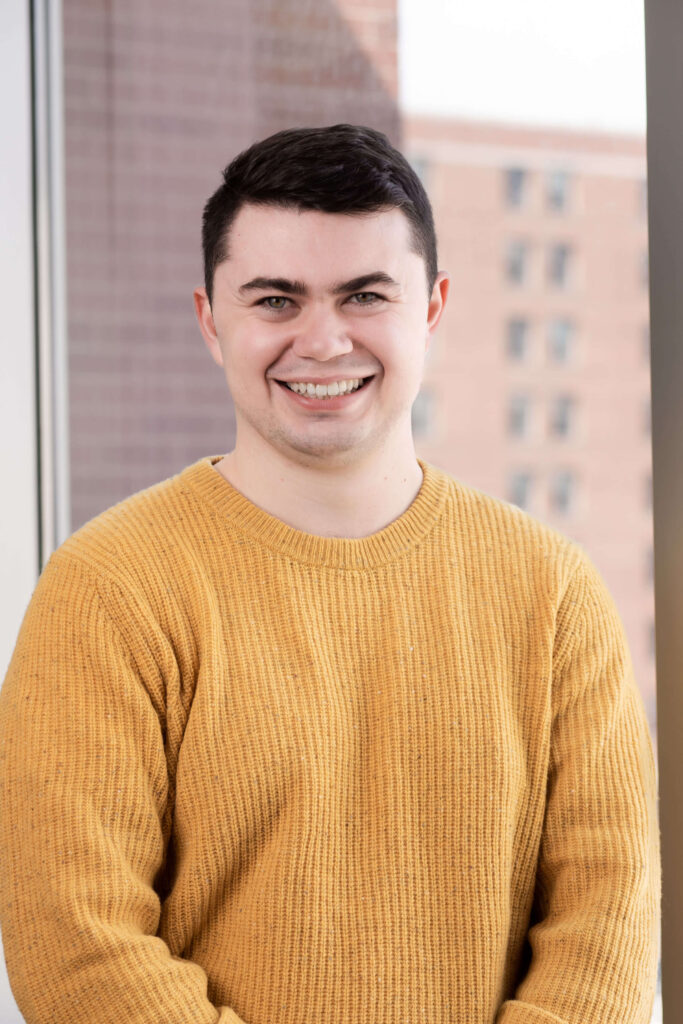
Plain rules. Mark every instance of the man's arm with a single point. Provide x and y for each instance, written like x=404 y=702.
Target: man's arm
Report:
x=83 y=790
x=595 y=942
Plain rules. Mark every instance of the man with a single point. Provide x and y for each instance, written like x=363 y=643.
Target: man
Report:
x=311 y=732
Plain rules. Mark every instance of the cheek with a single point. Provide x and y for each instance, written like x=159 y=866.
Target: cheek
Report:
x=250 y=352
x=402 y=353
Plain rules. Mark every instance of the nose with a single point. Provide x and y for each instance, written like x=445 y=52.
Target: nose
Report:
x=321 y=334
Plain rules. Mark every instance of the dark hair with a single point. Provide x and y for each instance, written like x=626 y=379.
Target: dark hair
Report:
x=343 y=168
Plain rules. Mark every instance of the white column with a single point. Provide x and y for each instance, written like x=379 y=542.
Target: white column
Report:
x=19 y=511
x=34 y=513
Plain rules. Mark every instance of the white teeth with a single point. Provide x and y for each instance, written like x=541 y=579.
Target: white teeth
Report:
x=337 y=387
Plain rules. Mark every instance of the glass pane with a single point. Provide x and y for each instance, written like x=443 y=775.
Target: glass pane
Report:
x=540 y=201
x=554 y=179
x=557 y=189
x=515 y=180
x=517 y=335
x=560 y=340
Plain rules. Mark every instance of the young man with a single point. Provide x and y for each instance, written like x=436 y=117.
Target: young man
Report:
x=311 y=732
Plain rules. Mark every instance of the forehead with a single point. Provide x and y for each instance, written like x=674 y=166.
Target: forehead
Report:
x=303 y=244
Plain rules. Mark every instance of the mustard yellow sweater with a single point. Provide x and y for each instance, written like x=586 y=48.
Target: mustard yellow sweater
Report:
x=252 y=774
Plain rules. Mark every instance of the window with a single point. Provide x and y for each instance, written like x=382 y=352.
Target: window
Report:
x=519 y=489
x=562 y=493
x=517 y=339
x=519 y=413
x=557 y=189
x=562 y=411
x=516 y=261
x=560 y=340
x=515 y=186
x=559 y=260
x=422 y=416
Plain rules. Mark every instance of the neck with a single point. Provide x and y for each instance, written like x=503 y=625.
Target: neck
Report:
x=353 y=500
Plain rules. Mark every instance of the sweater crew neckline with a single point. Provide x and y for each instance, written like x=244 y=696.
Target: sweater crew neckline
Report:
x=376 y=549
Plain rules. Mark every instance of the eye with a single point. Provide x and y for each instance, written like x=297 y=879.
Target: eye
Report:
x=274 y=302
x=366 y=298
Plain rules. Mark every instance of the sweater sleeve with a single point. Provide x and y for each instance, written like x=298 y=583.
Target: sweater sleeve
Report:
x=594 y=933
x=83 y=788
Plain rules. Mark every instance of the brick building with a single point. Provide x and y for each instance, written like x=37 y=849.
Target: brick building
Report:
x=158 y=98
x=537 y=388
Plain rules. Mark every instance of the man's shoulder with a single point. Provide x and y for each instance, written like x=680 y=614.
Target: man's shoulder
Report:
x=144 y=529
x=505 y=534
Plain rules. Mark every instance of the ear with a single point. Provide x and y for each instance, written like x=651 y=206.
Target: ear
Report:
x=437 y=303
x=202 y=308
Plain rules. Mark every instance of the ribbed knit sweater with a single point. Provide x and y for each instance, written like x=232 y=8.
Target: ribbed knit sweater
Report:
x=252 y=774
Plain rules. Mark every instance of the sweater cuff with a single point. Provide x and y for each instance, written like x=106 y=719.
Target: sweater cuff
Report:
x=512 y=1011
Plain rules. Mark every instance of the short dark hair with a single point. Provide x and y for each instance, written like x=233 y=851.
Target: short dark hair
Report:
x=343 y=168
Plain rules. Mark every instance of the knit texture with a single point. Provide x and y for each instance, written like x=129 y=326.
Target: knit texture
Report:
x=249 y=774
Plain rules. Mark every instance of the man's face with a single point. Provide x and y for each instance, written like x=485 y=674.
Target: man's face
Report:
x=333 y=304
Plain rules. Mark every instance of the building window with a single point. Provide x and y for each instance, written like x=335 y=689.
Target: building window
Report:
x=519 y=489
x=517 y=261
x=422 y=416
x=557 y=190
x=562 y=413
x=515 y=186
x=519 y=416
x=559 y=264
x=517 y=339
x=562 y=493
x=561 y=334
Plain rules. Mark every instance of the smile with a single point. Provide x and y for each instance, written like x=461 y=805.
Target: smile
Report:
x=331 y=390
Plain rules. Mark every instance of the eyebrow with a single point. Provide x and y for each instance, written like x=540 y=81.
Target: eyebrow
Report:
x=282 y=284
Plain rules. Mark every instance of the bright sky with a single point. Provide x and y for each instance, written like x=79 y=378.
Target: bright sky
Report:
x=578 y=64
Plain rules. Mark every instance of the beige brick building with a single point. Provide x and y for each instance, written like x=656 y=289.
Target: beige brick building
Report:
x=537 y=388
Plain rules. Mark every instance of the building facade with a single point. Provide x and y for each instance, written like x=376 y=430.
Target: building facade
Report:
x=158 y=99
x=537 y=386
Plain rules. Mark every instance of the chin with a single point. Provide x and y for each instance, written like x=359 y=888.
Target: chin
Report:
x=332 y=452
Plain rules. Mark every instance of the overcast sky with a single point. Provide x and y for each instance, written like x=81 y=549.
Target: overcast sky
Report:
x=579 y=64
